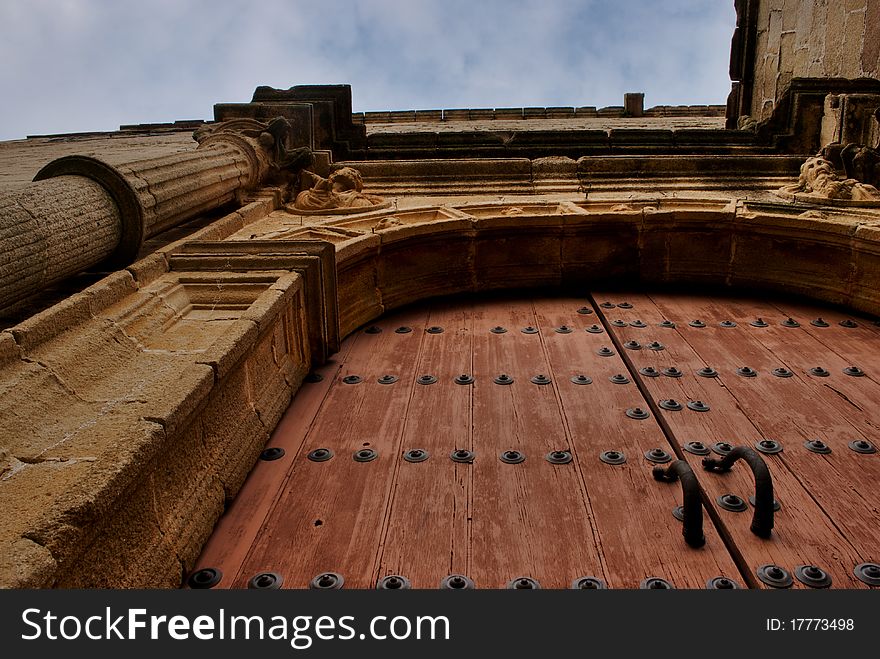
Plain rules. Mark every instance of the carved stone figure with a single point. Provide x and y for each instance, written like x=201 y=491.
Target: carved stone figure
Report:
x=818 y=181
x=342 y=190
x=862 y=163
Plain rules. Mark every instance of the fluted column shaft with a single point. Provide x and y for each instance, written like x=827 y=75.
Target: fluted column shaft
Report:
x=80 y=211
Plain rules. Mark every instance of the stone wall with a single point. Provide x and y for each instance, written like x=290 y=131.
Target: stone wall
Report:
x=812 y=39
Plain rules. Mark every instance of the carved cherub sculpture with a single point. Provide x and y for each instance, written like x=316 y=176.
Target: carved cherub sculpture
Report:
x=343 y=189
x=819 y=180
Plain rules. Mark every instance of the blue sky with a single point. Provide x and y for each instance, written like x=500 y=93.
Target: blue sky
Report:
x=80 y=65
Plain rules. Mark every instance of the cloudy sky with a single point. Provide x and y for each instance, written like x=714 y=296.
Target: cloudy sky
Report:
x=80 y=65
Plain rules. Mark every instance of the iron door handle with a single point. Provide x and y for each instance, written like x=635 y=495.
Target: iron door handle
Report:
x=762 y=520
x=692 y=508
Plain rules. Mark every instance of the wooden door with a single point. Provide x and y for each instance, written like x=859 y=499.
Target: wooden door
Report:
x=512 y=441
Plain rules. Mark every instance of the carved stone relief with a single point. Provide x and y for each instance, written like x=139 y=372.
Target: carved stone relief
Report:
x=341 y=192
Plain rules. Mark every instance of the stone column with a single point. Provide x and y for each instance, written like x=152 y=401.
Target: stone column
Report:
x=80 y=211
x=52 y=229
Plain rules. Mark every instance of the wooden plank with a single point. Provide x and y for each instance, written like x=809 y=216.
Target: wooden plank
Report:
x=749 y=409
x=638 y=536
x=237 y=529
x=328 y=517
x=427 y=531
x=529 y=519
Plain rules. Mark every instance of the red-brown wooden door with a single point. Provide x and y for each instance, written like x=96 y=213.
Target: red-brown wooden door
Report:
x=502 y=377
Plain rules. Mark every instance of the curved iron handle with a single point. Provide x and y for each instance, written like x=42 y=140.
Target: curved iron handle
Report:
x=762 y=521
x=693 y=507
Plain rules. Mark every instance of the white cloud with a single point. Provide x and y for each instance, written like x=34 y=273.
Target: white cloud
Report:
x=74 y=65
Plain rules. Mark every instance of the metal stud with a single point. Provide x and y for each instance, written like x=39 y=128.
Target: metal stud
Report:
x=722 y=583
x=529 y=330
x=612 y=457
x=558 y=457
x=540 y=379
x=620 y=378
x=464 y=378
x=637 y=413
x=649 y=371
x=595 y=329
x=678 y=513
x=817 y=446
x=868 y=573
x=862 y=446
x=747 y=372
x=312 y=378
x=608 y=305
x=697 y=323
x=512 y=457
x=605 y=351
x=656 y=346
x=775 y=576
x=768 y=446
x=668 y=324
x=848 y=323
x=416 y=455
x=266 y=581
x=854 y=371
x=707 y=372
x=205 y=578
x=327 y=581
x=462 y=455
x=732 y=502
x=365 y=455
x=457 y=582
x=670 y=404
x=638 y=323
x=819 y=372
x=588 y=583
x=434 y=329
x=753 y=501
x=722 y=448
x=403 y=329
x=272 y=453
x=618 y=323
x=563 y=329
x=498 y=330
x=523 y=583
x=655 y=583
x=819 y=322
x=393 y=582
x=812 y=576
x=672 y=372
x=582 y=379
x=426 y=379
x=782 y=372
x=387 y=379
x=632 y=345
x=759 y=322
x=696 y=448
x=727 y=323
x=504 y=378
x=585 y=311
x=373 y=329
x=698 y=406
x=352 y=379
x=658 y=456
x=320 y=455
x=790 y=322
x=624 y=305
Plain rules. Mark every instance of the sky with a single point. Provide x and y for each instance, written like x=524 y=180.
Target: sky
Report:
x=85 y=65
